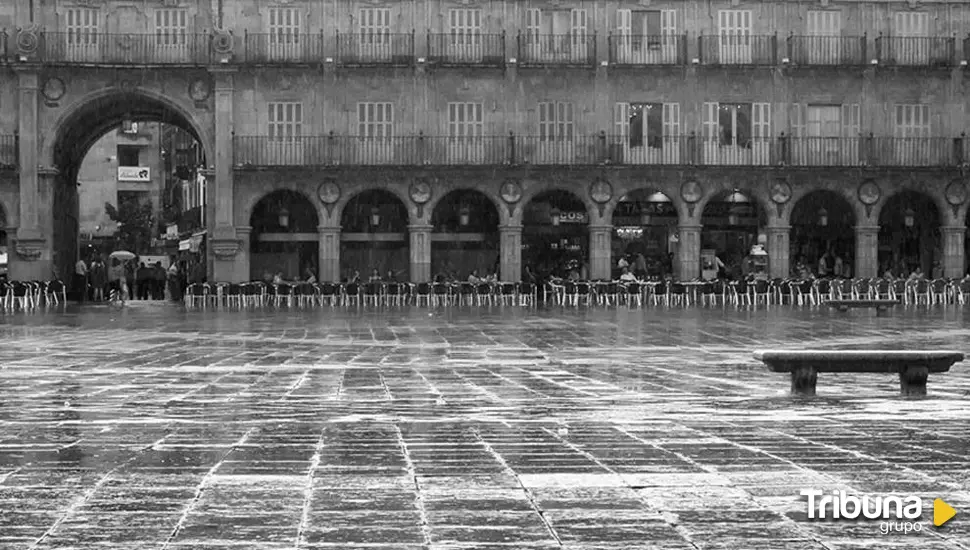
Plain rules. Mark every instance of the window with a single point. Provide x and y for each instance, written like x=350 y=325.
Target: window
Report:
x=464 y=120
x=82 y=26
x=647 y=123
x=129 y=127
x=734 y=124
x=171 y=27
x=284 y=26
x=465 y=26
x=824 y=23
x=912 y=121
x=375 y=120
x=128 y=155
x=375 y=26
x=734 y=31
x=556 y=121
x=824 y=121
x=910 y=24
x=285 y=121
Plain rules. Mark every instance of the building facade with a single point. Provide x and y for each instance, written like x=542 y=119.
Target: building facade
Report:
x=425 y=136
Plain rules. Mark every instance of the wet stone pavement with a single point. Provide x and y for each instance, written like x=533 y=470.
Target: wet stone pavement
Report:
x=159 y=428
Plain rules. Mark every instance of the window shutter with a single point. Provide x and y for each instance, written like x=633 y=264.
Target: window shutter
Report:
x=668 y=22
x=798 y=120
x=710 y=121
x=621 y=120
x=533 y=20
x=761 y=120
x=579 y=24
x=623 y=22
x=671 y=119
x=851 y=123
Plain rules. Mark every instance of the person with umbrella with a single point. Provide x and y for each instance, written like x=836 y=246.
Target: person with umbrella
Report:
x=117 y=275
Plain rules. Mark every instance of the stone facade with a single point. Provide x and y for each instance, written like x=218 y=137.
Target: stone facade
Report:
x=224 y=87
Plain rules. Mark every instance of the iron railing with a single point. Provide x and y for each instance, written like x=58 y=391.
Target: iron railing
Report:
x=5 y=52
x=9 y=152
x=577 y=49
x=730 y=49
x=828 y=50
x=472 y=49
x=377 y=49
x=638 y=49
x=916 y=51
x=283 y=48
x=683 y=150
x=125 y=49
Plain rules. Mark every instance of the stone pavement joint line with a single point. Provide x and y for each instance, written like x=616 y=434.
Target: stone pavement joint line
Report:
x=418 y=495
x=308 y=492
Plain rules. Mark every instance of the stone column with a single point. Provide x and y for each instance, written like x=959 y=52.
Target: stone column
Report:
x=420 y=253
x=223 y=240
x=954 y=263
x=329 y=254
x=866 y=262
x=243 y=270
x=32 y=244
x=779 y=251
x=510 y=252
x=599 y=251
x=689 y=246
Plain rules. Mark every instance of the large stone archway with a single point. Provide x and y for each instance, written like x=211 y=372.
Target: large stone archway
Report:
x=284 y=236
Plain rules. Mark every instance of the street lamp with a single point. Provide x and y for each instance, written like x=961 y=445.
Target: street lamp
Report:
x=554 y=216
x=823 y=217
x=910 y=217
x=375 y=216
x=464 y=216
x=284 y=217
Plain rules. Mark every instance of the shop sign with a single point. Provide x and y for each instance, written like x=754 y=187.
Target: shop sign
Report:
x=134 y=173
x=572 y=217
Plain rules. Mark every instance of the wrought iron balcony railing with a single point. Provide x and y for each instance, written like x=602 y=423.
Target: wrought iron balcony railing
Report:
x=845 y=51
x=642 y=50
x=9 y=152
x=467 y=49
x=576 y=49
x=738 y=49
x=81 y=47
x=375 y=49
x=283 y=48
x=421 y=150
x=916 y=51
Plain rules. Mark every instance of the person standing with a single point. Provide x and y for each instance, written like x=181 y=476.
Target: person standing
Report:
x=99 y=279
x=81 y=279
x=158 y=281
x=173 y=282
x=143 y=279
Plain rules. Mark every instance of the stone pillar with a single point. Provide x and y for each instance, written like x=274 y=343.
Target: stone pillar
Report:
x=223 y=241
x=600 y=252
x=954 y=262
x=779 y=250
x=420 y=253
x=866 y=264
x=243 y=271
x=510 y=252
x=32 y=245
x=689 y=246
x=329 y=254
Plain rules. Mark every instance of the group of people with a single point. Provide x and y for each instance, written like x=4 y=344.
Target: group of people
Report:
x=94 y=280
x=830 y=265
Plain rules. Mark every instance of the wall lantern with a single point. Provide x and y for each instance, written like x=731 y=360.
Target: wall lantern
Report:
x=823 y=217
x=375 y=216
x=464 y=215
x=284 y=217
x=910 y=217
x=554 y=216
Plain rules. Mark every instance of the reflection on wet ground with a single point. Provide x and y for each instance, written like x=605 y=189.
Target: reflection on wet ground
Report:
x=154 y=427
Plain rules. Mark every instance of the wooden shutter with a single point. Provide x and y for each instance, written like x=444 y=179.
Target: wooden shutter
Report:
x=533 y=22
x=623 y=22
x=761 y=120
x=851 y=120
x=798 y=120
x=671 y=119
x=578 y=24
x=668 y=22
x=621 y=121
x=710 y=121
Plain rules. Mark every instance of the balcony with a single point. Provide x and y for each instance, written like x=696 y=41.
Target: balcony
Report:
x=375 y=49
x=466 y=50
x=644 y=50
x=830 y=51
x=283 y=49
x=874 y=151
x=9 y=153
x=334 y=150
x=541 y=50
x=660 y=150
x=125 y=49
x=916 y=51
x=734 y=49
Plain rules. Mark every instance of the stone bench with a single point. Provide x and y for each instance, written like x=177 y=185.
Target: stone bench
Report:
x=882 y=306
x=913 y=367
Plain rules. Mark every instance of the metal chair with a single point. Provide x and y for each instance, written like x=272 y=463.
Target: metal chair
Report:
x=422 y=292
x=329 y=293
x=372 y=293
x=526 y=294
x=351 y=293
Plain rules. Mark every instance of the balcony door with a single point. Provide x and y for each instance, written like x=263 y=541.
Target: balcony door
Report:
x=374 y=28
x=646 y=37
x=824 y=37
x=823 y=132
x=556 y=36
x=465 y=133
x=737 y=134
x=911 y=131
x=556 y=143
x=171 y=35
x=83 y=35
x=465 y=35
x=734 y=37
x=375 y=133
x=286 y=144
x=649 y=133
x=285 y=28
x=910 y=46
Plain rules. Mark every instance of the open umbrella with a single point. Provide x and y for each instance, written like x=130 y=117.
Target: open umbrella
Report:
x=122 y=255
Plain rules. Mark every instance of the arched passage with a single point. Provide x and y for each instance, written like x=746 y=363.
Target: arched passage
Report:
x=733 y=222
x=374 y=235
x=465 y=236
x=909 y=235
x=823 y=222
x=555 y=234
x=284 y=237
x=82 y=125
x=643 y=223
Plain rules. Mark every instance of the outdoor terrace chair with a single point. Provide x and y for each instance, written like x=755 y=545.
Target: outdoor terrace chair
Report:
x=882 y=289
x=371 y=293
x=738 y=292
x=899 y=291
x=392 y=294
x=607 y=293
x=961 y=291
x=252 y=294
x=823 y=290
x=632 y=294
x=6 y=295
x=196 y=294
x=441 y=294
x=466 y=294
x=54 y=291
x=781 y=290
x=677 y=292
x=422 y=292
x=351 y=293
x=282 y=292
x=329 y=294
x=804 y=292
x=305 y=293
x=484 y=293
x=920 y=291
x=661 y=293
x=940 y=291
x=844 y=289
x=526 y=294
x=759 y=291
x=232 y=293
x=505 y=293
x=707 y=294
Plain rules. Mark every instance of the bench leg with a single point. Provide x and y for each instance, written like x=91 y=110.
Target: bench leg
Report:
x=803 y=381
x=912 y=381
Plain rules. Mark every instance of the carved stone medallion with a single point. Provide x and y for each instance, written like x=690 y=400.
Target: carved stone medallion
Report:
x=54 y=89
x=869 y=193
x=601 y=191
x=956 y=193
x=329 y=192
x=780 y=192
x=511 y=191
x=691 y=191
x=199 y=90
x=420 y=191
